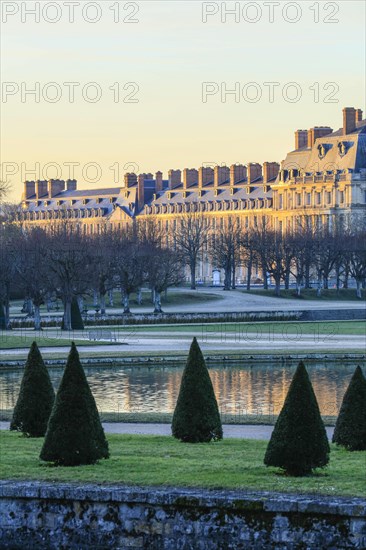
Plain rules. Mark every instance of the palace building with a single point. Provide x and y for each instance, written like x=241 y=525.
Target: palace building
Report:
x=322 y=178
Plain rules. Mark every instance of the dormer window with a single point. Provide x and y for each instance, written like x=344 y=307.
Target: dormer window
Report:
x=342 y=148
x=322 y=150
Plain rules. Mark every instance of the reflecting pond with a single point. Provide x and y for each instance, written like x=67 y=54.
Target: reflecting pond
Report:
x=240 y=389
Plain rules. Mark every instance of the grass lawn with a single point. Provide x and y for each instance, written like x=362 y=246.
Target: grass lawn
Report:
x=152 y=460
x=10 y=341
x=343 y=294
x=173 y=298
x=261 y=328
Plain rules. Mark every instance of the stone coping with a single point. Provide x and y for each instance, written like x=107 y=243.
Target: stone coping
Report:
x=266 y=501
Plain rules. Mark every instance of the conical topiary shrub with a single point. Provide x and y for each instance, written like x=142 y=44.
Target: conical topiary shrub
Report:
x=299 y=441
x=196 y=417
x=350 y=428
x=75 y=434
x=36 y=397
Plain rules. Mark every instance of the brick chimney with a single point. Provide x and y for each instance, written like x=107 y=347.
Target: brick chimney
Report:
x=130 y=179
x=71 y=185
x=141 y=191
x=221 y=175
x=175 y=178
x=41 y=188
x=55 y=187
x=359 y=115
x=301 y=139
x=190 y=177
x=238 y=173
x=158 y=182
x=318 y=132
x=270 y=171
x=205 y=176
x=254 y=171
x=29 y=189
x=349 y=120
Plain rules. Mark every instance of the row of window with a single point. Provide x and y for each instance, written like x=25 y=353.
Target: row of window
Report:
x=305 y=199
x=213 y=206
x=64 y=214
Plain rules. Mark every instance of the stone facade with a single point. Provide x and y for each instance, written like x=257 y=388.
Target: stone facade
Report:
x=324 y=178
x=52 y=516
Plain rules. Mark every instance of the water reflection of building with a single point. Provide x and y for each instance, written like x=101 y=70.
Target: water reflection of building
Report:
x=239 y=390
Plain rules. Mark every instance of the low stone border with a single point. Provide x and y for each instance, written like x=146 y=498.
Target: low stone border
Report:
x=178 y=360
x=53 y=515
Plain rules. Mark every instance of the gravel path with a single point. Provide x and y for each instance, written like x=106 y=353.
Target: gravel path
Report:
x=230 y=430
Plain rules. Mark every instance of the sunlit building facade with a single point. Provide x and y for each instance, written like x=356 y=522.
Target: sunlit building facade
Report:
x=322 y=179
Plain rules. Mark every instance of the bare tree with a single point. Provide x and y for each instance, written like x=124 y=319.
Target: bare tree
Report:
x=248 y=253
x=103 y=257
x=71 y=265
x=357 y=248
x=224 y=249
x=33 y=271
x=191 y=239
x=5 y=188
x=10 y=239
x=163 y=270
x=129 y=263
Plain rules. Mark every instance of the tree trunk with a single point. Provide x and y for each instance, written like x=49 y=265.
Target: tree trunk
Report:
x=110 y=297
x=227 y=277
x=358 y=288
x=338 y=279
x=126 y=302
x=319 y=289
x=28 y=306
x=3 y=325
x=139 y=297
x=278 y=286
x=81 y=303
x=233 y=272
x=7 y=314
x=37 y=317
x=249 y=276
x=326 y=285
x=157 y=303
x=265 y=281
x=102 y=304
x=49 y=304
x=307 y=275
x=95 y=298
x=193 y=274
x=67 y=315
x=287 y=280
x=298 y=287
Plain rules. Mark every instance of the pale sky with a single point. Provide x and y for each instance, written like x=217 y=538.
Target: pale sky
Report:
x=169 y=53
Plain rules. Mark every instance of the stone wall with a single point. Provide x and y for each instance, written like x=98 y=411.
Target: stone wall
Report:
x=42 y=516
